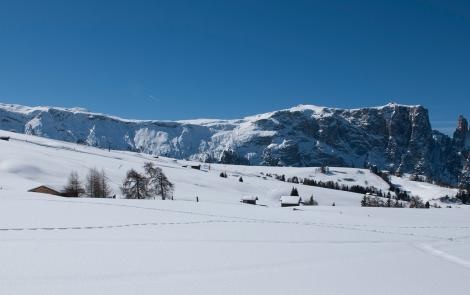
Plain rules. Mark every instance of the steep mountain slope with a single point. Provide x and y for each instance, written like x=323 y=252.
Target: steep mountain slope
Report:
x=394 y=137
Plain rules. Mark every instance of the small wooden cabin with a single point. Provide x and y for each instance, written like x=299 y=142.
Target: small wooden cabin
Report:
x=47 y=189
x=249 y=200
x=290 y=201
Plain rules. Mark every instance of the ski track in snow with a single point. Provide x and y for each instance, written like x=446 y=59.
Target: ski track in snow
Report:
x=238 y=219
x=444 y=255
x=112 y=226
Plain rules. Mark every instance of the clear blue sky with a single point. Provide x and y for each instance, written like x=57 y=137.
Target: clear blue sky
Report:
x=226 y=59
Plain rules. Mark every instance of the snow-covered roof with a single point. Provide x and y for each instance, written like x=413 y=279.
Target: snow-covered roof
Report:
x=290 y=200
x=249 y=198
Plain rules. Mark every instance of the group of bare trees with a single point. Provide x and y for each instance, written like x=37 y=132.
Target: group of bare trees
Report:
x=96 y=185
x=153 y=182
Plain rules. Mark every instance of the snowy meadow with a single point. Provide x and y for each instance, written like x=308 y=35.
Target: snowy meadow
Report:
x=218 y=245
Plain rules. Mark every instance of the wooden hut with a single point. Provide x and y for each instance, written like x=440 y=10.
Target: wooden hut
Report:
x=47 y=189
x=290 y=201
x=249 y=200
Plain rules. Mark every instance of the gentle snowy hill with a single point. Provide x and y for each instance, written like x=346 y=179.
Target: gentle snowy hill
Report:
x=54 y=245
x=28 y=161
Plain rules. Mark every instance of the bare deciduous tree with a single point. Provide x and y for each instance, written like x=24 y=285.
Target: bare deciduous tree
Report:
x=97 y=184
x=105 y=190
x=159 y=183
x=92 y=183
x=74 y=187
x=135 y=185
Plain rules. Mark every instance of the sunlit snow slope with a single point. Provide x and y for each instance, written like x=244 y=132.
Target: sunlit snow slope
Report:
x=55 y=245
x=28 y=161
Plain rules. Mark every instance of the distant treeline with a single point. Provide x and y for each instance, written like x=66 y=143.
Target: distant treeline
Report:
x=399 y=194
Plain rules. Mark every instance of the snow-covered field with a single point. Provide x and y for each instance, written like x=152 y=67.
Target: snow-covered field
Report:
x=54 y=245
x=425 y=190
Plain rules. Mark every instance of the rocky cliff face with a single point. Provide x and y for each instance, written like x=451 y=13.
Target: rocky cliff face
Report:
x=461 y=144
x=394 y=137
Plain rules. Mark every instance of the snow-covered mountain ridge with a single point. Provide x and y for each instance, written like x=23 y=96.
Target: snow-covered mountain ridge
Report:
x=394 y=137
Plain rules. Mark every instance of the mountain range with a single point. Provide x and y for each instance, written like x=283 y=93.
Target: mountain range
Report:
x=397 y=138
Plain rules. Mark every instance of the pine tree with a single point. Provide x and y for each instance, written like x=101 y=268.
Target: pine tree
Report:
x=365 y=201
x=294 y=192
x=463 y=195
x=464 y=179
x=324 y=169
x=311 y=202
x=74 y=187
x=294 y=179
x=135 y=185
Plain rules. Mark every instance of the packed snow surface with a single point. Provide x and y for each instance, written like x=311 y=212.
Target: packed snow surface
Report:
x=55 y=245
